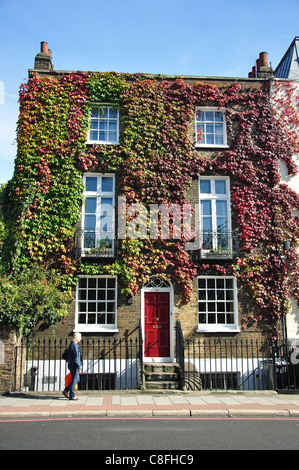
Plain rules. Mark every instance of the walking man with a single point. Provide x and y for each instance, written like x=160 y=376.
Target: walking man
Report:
x=74 y=360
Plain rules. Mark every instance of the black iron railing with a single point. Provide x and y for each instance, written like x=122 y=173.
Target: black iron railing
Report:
x=108 y=364
x=217 y=245
x=115 y=364
x=95 y=244
x=236 y=364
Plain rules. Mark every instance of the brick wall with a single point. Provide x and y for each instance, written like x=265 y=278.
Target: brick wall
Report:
x=8 y=344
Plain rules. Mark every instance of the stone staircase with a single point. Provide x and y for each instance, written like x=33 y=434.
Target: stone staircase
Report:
x=162 y=376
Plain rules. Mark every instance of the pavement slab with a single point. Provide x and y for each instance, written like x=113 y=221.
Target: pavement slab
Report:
x=139 y=403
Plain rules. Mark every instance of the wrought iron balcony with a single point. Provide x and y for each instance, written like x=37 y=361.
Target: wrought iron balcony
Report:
x=219 y=245
x=95 y=244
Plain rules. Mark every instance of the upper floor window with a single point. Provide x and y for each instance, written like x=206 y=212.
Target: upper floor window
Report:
x=104 y=125
x=215 y=217
x=98 y=216
x=210 y=127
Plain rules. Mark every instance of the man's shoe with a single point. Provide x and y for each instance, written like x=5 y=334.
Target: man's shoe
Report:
x=74 y=398
x=65 y=394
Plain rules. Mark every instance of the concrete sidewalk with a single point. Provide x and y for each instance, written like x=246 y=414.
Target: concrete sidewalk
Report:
x=139 y=403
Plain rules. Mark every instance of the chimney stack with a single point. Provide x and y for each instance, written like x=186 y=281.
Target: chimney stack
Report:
x=43 y=60
x=261 y=69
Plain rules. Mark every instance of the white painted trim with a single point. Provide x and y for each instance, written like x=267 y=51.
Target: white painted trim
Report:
x=95 y=328
x=213 y=146
x=171 y=322
x=219 y=327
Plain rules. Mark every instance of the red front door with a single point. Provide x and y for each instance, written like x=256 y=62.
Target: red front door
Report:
x=156 y=324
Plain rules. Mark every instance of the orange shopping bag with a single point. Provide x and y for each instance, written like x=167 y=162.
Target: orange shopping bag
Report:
x=68 y=380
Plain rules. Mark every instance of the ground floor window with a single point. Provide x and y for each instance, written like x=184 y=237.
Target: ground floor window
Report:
x=217 y=303
x=96 y=303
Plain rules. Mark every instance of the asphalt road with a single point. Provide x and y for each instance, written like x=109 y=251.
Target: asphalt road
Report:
x=156 y=434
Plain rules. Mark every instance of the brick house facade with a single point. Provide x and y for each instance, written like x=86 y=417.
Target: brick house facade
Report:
x=221 y=131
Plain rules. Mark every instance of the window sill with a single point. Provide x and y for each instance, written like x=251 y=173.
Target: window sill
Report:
x=197 y=145
x=100 y=142
x=217 y=329
x=94 y=329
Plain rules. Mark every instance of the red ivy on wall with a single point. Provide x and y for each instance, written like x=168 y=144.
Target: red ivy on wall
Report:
x=157 y=162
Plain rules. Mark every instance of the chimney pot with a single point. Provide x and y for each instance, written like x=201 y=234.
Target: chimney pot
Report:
x=264 y=62
x=257 y=65
x=44 y=47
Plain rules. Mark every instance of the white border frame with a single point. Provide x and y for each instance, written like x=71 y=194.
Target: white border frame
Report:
x=212 y=146
x=102 y=142
x=171 y=322
x=220 y=327
x=85 y=328
x=84 y=251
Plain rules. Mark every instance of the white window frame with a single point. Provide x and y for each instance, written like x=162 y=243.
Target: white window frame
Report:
x=224 y=134
x=213 y=197
x=98 y=194
x=219 y=327
x=99 y=141
x=96 y=327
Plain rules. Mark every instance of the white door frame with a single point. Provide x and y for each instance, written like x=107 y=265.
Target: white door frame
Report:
x=164 y=286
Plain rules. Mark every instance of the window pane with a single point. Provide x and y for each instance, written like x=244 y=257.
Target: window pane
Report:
x=206 y=207
x=200 y=116
x=218 y=116
x=92 y=319
x=201 y=295
x=110 y=318
x=101 y=307
x=111 y=282
x=91 y=205
x=92 y=283
x=103 y=113
x=92 y=294
x=113 y=113
x=103 y=125
x=93 y=135
x=210 y=139
x=110 y=294
x=82 y=306
x=112 y=136
x=220 y=186
x=107 y=184
x=102 y=283
x=90 y=222
x=219 y=139
x=219 y=128
x=209 y=115
x=221 y=208
x=92 y=307
x=205 y=186
x=207 y=225
x=91 y=183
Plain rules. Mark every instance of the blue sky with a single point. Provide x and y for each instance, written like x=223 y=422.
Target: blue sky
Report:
x=180 y=37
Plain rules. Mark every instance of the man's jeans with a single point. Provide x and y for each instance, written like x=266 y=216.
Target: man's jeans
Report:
x=75 y=379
